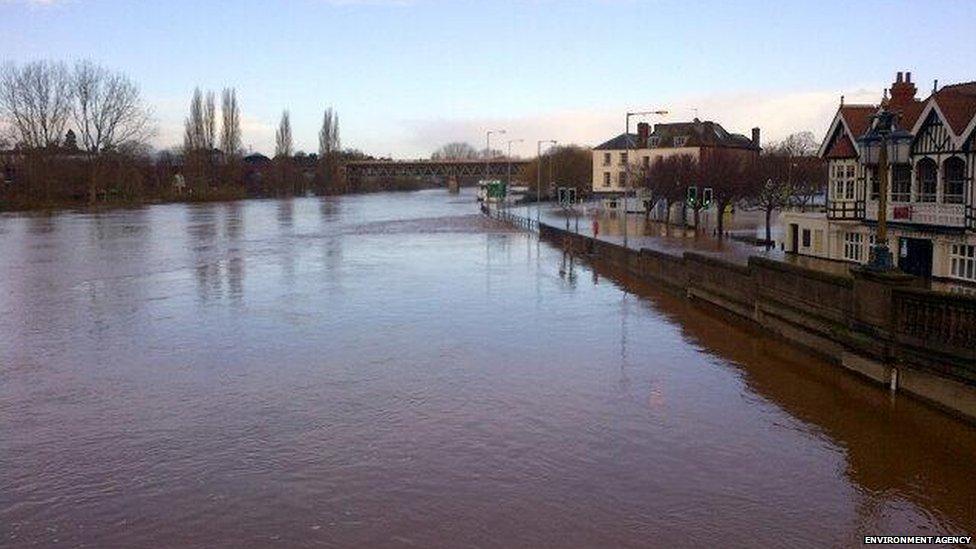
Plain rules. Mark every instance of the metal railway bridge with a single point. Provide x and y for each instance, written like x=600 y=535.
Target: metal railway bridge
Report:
x=450 y=170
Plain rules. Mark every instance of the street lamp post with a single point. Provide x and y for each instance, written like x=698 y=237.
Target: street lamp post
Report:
x=883 y=146
x=488 y=150
x=538 y=175
x=627 y=163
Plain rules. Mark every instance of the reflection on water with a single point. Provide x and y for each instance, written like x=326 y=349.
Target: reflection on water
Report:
x=395 y=370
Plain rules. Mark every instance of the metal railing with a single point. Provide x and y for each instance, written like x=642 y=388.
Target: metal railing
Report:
x=935 y=318
x=527 y=223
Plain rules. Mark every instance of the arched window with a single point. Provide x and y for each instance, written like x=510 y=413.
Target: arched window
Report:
x=954 y=176
x=926 y=174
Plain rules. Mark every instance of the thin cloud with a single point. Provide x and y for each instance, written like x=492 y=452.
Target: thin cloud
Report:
x=776 y=114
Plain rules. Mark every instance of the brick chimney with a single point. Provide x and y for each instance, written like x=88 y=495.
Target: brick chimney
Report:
x=643 y=132
x=902 y=91
x=755 y=137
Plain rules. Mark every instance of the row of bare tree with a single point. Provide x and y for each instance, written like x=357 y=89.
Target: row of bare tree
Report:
x=84 y=110
x=786 y=174
x=80 y=133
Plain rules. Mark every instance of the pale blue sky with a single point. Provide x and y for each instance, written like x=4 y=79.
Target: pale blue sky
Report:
x=406 y=76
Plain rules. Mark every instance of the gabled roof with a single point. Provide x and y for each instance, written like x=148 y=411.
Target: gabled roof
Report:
x=842 y=147
x=850 y=122
x=954 y=106
x=958 y=105
x=621 y=142
x=858 y=118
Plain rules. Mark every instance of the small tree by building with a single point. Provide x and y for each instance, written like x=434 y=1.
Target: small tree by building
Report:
x=730 y=174
x=668 y=179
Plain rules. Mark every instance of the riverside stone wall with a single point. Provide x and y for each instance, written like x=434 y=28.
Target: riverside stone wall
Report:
x=882 y=326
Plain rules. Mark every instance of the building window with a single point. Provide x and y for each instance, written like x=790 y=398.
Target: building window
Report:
x=901 y=183
x=623 y=158
x=963 y=261
x=954 y=175
x=653 y=141
x=842 y=181
x=606 y=179
x=622 y=179
x=606 y=159
x=680 y=141
x=853 y=246
x=806 y=238
x=925 y=171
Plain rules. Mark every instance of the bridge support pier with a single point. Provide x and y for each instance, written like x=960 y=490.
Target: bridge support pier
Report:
x=453 y=185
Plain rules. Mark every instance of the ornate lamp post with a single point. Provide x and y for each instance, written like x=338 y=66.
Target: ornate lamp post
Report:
x=881 y=147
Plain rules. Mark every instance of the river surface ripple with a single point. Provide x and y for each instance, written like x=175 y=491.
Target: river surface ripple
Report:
x=395 y=370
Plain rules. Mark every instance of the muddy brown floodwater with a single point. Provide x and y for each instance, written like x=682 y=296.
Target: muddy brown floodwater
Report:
x=393 y=370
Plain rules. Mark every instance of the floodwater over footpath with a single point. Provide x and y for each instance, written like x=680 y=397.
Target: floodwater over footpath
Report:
x=394 y=370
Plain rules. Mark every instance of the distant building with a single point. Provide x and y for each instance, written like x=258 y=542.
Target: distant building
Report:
x=931 y=202
x=643 y=148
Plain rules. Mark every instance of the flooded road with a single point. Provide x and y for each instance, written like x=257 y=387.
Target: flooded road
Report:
x=394 y=370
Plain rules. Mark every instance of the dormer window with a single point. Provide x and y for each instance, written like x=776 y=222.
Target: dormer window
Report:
x=680 y=140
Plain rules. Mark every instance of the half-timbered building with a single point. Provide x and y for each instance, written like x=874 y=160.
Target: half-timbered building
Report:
x=931 y=201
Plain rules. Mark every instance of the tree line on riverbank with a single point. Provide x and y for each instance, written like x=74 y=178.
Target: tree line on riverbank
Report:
x=80 y=134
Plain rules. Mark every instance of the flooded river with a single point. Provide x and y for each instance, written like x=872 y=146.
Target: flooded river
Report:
x=393 y=370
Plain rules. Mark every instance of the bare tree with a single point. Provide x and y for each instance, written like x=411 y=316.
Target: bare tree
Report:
x=194 y=126
x=329 y=143
x=329 y=148
x=668 y=179
x=283 y=141
x=36 y=100
x=731 y=175
x=774 y=187
x=456 y=151
x=210 y=122
x=570 y=166
x=796 y=144
x=109 y=114
x=230 y=134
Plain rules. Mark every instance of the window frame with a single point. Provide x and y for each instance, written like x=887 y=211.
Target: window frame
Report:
x=962 y=262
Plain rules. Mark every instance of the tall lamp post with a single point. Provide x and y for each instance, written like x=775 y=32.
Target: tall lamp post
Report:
x=627 y=164
x=883 y=146
x=488 y=150
x=538 y=175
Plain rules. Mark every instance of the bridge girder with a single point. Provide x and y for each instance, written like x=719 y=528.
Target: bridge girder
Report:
x=431 y=168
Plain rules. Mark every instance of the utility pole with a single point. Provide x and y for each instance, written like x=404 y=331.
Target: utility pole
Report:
x=488 y=150
x=628 y=144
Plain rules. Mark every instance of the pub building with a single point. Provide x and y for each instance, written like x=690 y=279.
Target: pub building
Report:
x=931 y=208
